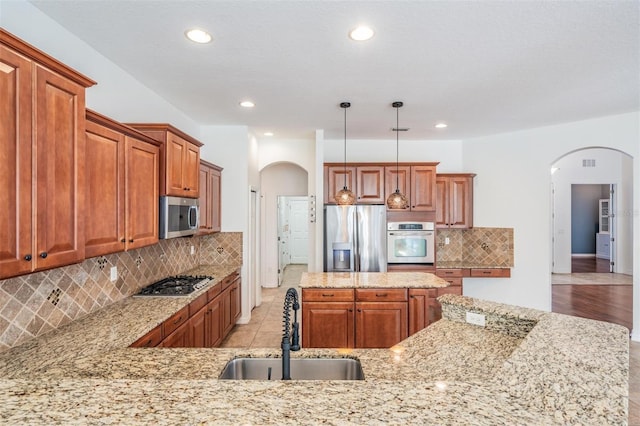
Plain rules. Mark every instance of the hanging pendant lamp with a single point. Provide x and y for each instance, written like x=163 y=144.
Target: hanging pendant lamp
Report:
x=397 y=200
x=345 y=197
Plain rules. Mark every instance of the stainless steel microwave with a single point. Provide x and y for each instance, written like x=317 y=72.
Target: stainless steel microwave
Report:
x=179 y=217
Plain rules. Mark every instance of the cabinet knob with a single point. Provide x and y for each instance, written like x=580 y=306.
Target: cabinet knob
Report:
x=43 y=255
x=412 y=296
x=131 y=240
x=350 y=310
x=123 y=240
x=359 y=310
x=27 y=257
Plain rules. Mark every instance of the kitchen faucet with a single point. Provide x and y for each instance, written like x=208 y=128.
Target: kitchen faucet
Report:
x=290 y=339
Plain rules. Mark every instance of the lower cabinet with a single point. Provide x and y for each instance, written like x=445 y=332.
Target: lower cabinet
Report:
x=348 y=318
x=423 y=308
x=204 y=323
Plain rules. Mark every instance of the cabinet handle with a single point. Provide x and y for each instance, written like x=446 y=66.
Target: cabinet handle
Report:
x=350 y=310
x=412 y=296
x=486 y=272
x=43 y=255
x=178 y=320
x=131 y=240
x=327 y=294
x=122 y=240
x=148 y=342
x=381 y=294
x=27 y=257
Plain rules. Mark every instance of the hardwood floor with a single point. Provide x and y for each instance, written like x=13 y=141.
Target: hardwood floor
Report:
x=611 y=303
x=589 y=264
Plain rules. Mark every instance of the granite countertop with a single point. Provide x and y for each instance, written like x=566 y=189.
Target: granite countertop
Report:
x=523 y=367
x=459 y=264
x=371 y=280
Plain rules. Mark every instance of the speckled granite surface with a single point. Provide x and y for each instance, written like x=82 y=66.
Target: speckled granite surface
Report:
x=563 y=370
x=371 y=280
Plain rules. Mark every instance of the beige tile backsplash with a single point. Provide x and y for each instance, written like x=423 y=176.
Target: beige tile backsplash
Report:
x=492 y=247
x=31 y=305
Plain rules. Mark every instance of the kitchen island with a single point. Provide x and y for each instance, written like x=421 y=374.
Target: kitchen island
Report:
x=523 y=367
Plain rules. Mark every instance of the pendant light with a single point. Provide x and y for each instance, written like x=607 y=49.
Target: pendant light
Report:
x=345 y=197
x=397 y=200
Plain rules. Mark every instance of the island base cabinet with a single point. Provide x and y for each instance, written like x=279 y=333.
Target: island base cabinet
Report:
x=423 y=308
x=327 y=325
x=380 y=324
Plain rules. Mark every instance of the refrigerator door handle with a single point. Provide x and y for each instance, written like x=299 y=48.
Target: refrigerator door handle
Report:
x=356 y=241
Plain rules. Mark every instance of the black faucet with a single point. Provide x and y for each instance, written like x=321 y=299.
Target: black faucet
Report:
x=290 y=339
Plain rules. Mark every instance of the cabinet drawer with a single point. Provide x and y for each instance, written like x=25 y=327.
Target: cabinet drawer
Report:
x=226 y=282
x=149 y=340
x=452 y=273
x=197 y=304
x=453 y=281
x=491 y=272
x=327 y=295
x=214 y=291
x=454 y=289
x=175 y=320
x=381 y=295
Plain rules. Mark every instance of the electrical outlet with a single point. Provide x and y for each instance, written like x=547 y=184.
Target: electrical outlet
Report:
x=446 y=240
x=114 y=273
x=193 y=250
x=476 y=319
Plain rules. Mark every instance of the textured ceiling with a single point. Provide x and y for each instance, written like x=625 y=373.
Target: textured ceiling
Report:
x=484 y=67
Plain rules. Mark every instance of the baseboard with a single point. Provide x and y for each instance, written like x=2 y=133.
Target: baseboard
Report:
x=583 y=255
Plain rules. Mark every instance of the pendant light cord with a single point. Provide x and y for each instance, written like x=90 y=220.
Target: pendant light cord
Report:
x=345 y=147
x=397 y=150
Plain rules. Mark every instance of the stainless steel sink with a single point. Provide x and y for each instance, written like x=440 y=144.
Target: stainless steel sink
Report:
x=301 y=369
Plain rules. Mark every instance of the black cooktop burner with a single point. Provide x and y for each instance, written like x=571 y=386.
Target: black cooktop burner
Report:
x=179 y=285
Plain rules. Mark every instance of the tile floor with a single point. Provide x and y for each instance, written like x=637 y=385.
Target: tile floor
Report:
x=265 y=330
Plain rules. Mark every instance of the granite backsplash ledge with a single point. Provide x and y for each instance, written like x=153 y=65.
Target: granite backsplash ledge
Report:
x=33 y=304
x=475 y=247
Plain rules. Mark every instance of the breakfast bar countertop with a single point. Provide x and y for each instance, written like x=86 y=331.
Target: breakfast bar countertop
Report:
x=371 y=280
x=524 y=367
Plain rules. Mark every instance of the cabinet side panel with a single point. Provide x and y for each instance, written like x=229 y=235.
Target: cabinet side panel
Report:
x=15 y=164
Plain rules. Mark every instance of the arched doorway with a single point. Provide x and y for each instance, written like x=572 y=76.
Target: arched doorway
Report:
x=592 y=202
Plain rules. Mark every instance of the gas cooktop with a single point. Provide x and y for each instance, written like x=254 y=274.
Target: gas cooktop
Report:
x=179 y=285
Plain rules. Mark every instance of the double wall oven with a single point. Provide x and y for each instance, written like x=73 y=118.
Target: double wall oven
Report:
x=411 y=242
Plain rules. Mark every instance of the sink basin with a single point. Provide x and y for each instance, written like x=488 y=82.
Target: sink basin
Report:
x=301 y=369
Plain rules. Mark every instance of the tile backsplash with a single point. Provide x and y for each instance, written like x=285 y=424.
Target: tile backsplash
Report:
x=31 y=305
x=476 y=246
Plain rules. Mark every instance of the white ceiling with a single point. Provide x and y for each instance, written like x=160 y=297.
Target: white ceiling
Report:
x=484 y=67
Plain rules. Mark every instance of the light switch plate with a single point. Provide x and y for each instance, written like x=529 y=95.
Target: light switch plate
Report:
x=446 y=240
x=476 y=319
x=193 y=250
x=114 y=273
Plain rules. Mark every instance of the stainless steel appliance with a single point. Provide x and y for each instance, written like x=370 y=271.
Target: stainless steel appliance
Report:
x=179 y=217
x=354 y=238
x=411 y=242
x=179 y=285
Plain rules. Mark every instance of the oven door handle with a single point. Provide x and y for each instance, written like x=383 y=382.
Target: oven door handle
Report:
x=193 y=209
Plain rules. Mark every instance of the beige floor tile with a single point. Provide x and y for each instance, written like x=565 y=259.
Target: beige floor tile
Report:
x=267 y=340
x=239 y=339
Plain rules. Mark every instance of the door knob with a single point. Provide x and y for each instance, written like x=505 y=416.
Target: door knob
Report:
x=27 y=257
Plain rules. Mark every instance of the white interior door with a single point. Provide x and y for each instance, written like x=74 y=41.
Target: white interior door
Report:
x=299 y=229
x=612 y=228
x=284 y=257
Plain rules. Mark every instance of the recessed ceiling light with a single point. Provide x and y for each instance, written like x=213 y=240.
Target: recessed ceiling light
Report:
x=247 y=104
x=268 y=133
x=198 y=36
x=441 y=125
x=361 y=33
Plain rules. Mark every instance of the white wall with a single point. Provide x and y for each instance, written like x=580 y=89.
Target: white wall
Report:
x=608 y=170
x=512 y=189
x=448 y=153
x=117 y=95
x=276 y=179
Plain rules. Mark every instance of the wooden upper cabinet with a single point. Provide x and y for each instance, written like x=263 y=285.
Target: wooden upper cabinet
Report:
x=335 y=178
x=15 y=163
x=104 y=200
x=142 y=187
x=179 y=159
x=210 y=206
x=423 y=188
x=370 y=185
x=122 y=187
x=42 y=148
x=455 y=200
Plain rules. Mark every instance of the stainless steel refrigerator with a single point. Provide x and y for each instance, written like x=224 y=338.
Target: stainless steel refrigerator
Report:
x=355 y=238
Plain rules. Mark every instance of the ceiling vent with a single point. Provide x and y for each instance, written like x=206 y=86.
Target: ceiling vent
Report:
x=589 y=163
x=399 y=129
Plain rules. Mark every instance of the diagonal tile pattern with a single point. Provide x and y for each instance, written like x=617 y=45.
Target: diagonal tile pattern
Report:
x=477 y=246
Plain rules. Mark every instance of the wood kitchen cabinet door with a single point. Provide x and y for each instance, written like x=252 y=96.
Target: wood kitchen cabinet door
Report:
x=335 y=177
x=142 y=197
x=15 y=162
x=213 y=323
x=176 y=151
x=454 y=200
x=328 y=325
x=104 y=199
x=236 y=303
x=179 y=338
x=380 y=324
x=210 y=206
x=397 y=177
x=423 y=308
x=423 y=188
x=60 y=150
x=370 y=184
x=191 y=169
